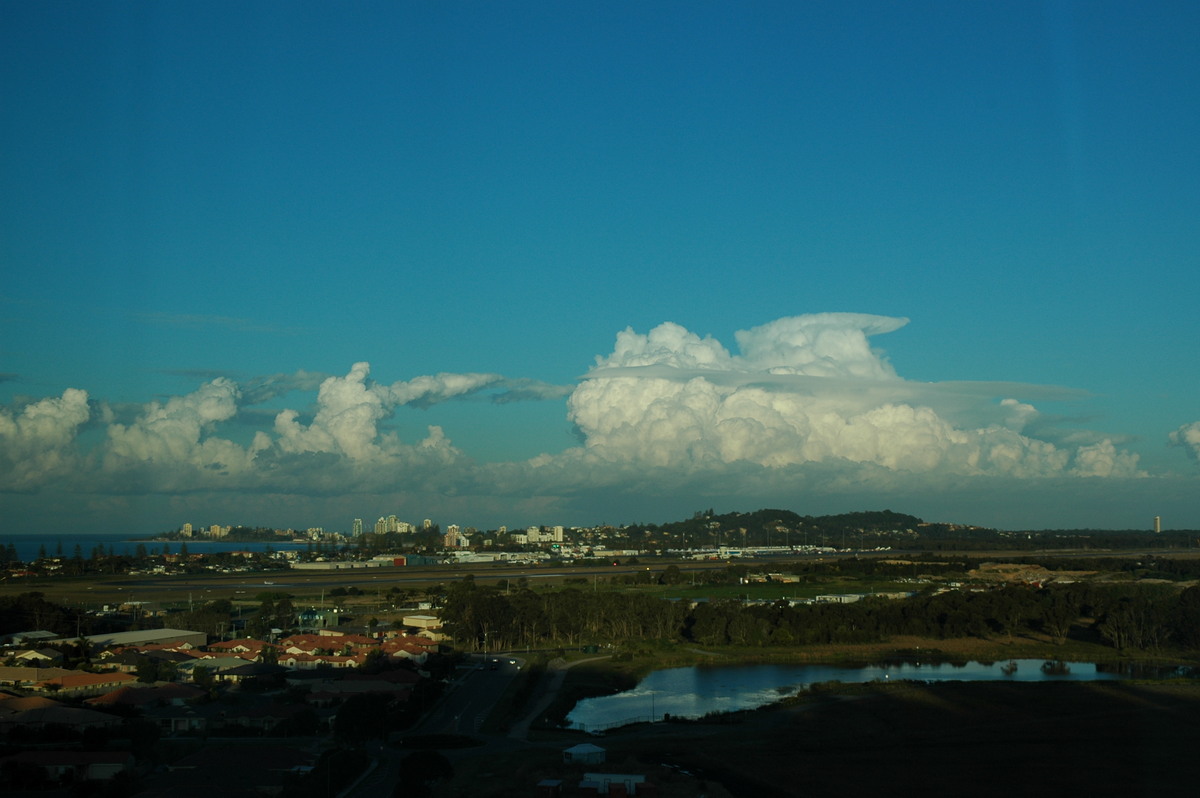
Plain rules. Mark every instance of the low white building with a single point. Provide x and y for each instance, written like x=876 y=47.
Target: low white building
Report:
x=421 y=621
x=603 y=782
x=584 y=754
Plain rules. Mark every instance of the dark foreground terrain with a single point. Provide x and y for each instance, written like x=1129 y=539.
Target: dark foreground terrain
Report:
x=963 y=739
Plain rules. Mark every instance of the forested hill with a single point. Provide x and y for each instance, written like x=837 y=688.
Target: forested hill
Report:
x=771 y=519
x=866 y=520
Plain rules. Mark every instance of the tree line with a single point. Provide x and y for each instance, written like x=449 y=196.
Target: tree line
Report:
x=1128 y=617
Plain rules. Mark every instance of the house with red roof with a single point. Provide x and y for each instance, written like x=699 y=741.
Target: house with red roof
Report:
x=404 y=648
x=81 y=683
x=140 y=696
x=247 y=648
x=37 y=712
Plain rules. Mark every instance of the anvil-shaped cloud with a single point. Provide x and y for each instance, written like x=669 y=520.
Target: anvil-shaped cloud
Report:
x=810 y=389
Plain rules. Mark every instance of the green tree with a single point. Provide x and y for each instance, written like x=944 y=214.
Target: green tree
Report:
x=150 y=670
x=359 y=718
x=203 y=678
x=285 y=613
x=424 y=768
x=671 y=575
x=375 y=662
x=1011 y=607
x=1059 y=611
x=83 y=651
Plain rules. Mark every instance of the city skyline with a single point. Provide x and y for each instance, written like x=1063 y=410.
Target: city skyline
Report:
x=585 y=265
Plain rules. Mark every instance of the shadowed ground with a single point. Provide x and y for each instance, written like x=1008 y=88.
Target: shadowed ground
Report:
x=979 y=739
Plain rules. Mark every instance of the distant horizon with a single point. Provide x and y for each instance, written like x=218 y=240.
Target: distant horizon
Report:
x=200 y=534
x=27 y=542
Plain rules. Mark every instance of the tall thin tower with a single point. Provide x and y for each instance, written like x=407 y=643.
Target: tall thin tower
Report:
x=1157 y=524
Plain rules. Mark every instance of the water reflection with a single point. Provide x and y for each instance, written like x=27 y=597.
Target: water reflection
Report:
x=697 y=691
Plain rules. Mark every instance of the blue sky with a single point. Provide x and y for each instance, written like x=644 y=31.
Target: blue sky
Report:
x=210 y=211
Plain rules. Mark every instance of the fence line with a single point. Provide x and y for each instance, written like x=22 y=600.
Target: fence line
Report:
x=600 y=728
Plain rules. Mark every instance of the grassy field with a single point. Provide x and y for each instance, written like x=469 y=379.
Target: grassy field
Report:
x=769 y=591
x=314 y=588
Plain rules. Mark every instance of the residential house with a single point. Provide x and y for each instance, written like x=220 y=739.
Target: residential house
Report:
x=212 y=664
x=25 y=677
x=36 y=657
x=247 y=648
x=82 y=683
x=415 y=649
x=173 y=720
x=36 y=712
x=252 y=670
x=74 y=765
x=141 y=696
x=316 y=661
x=260 y=770
x=123 y=661
x=307 y=644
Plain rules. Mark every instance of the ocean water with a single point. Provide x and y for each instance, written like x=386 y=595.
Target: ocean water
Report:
x=28 y=546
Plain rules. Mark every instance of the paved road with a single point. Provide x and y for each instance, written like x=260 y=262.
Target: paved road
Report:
x=469 y=699
x=545 y=693
x=462 y=710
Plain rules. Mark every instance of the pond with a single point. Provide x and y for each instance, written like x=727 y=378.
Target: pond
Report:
x=699 y=690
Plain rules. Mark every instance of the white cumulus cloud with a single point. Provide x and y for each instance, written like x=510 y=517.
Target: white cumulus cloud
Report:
x=350 y=408
x=168 y=443
x=803 y=405
x=346 y=421
x=1188 y=436
x=808 y=389
x=37 y=443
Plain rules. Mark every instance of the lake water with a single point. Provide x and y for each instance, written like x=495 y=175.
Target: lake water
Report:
x=696 y=691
